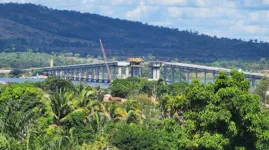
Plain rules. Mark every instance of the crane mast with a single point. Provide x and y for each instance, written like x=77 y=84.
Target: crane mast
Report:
x=104 y=55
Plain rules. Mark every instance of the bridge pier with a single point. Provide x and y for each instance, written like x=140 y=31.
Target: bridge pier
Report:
x=188 y=76
x=135 y=72
x=97 y=74
x=214 y=75
x=155 y=70
x=164 y=74
x=119 y=72
x=127 y=72
x=180 y=78
x=172 y=75
x=204 y=76
x=253 y=82
x=103 y=74
x=92 y=75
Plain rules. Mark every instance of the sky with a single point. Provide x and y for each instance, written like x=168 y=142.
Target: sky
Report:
x=245 y=19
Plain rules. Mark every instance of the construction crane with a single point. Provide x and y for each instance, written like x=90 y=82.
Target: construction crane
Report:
x=104 y=55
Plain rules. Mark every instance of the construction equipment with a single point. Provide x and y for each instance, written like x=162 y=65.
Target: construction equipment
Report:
x=135 y=60
x=104 y=55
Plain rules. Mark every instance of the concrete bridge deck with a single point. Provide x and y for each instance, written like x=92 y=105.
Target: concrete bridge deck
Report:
x=92 y=72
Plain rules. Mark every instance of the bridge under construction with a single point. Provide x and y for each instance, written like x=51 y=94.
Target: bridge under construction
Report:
x=170 y=72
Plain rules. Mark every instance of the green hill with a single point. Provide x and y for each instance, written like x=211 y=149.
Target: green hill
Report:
x=28 y=26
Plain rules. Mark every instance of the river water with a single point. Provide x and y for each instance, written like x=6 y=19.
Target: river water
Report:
x=21 y=80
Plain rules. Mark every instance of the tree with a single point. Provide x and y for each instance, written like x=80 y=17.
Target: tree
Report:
x=23 y=111
x=222 y=115
x=15 y=73
x=77 y=55
x=53 y=84
x=136 y=137
x=262 y=88
x=37 y=72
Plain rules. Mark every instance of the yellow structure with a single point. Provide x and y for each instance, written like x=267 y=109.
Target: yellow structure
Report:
x=135 y=60
x=51 y=63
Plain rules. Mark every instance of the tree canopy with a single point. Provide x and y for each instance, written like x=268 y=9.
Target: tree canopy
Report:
x=55 y=114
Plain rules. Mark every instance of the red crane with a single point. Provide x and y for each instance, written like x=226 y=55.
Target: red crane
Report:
x=104 y=55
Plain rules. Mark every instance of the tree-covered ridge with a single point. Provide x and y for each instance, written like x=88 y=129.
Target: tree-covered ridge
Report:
x=55 y=114
x=25 y=26
x=25 y=60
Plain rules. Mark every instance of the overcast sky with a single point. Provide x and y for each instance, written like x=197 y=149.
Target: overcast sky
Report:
x=245 y=19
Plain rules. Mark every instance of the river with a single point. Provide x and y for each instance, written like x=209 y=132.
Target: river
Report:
x=21 y=80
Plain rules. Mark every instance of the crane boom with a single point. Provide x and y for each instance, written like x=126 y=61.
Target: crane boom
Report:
x=104 y=55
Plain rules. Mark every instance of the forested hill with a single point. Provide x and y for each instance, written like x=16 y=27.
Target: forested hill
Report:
x=28 y=26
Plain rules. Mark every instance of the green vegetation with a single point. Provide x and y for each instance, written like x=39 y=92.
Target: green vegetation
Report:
x=252 y=66
x=46 y=30
x=55 y=114
x=262 y=90
x=24 y=60
x=15 y=73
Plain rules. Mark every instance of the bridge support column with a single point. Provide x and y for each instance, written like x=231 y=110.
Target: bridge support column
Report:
x=103 y=74
x=127 y=72
x=180 y=74
x=214 y=76
x=172 y=75
x=61 y=74
x=65 y=74
x=97 y=74
x=135 y=72
x=155 y=73
x=164 y=74
x=73 y=74
x=78 y=74
x=188 y=76
x=92 y=74
x=196 y=74
x=108 y=78
x=114 y=74
x=58 y=73
x=155 y=70
x=253 y=82
x=55 y=73
x=87 y=74
x=205 y=77
x=119 y=72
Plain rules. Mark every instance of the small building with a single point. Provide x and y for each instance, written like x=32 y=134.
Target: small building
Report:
x=266 y=71
x=109 y=98
x=106 y=97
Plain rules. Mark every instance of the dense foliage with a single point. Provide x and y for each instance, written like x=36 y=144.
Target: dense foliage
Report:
x=24 y=26
x=29 y=59
x=246 y=65
x=55 y=114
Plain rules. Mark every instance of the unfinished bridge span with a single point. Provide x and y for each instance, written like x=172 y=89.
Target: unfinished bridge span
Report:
x=168 y=71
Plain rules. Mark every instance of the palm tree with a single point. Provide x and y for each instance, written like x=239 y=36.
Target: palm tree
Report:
x=61 y=105
x=171 y=106
x=134 y=112
x=18 y=116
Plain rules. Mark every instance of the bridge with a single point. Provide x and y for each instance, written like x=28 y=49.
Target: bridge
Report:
x=171 y=72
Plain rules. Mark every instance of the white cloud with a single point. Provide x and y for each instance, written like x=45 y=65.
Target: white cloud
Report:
x=140 y=11
x=167 y=2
